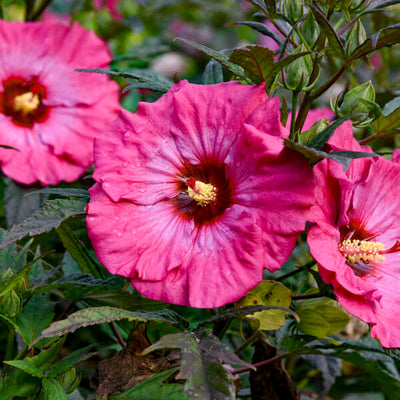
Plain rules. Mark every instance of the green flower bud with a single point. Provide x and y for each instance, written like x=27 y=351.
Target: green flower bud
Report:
x=293 y=9
x=298 y=72
x=70 y=381
x=310 y=30
x=10 y=304
x=351 y=100
x=355 y=37
x=316 y=128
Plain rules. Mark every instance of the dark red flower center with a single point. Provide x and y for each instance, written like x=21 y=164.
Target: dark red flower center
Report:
x=205 y=191
x=22 y=101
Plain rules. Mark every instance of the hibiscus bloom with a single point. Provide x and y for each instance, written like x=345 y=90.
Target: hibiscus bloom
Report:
x=356 y=239
x=49 y=112
x=196 y=194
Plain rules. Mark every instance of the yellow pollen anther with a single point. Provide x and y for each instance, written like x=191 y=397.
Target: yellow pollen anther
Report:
x=203 y=193
x=26 y=102
x=362 y=250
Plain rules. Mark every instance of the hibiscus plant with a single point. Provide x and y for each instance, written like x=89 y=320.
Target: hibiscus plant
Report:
x=199 y=200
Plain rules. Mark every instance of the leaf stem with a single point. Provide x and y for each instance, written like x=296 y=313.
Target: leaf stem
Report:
x=378 y=136
x=39 y=12
x=307 y=296
x=121 y=341
x=248 y=341
x=289 y=274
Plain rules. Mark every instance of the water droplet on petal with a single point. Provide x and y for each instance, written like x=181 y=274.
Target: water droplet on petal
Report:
x=106 y=184
x=127 y=134
x=117 y=218
x=125 y=164
x=91 y=218
x=118 y=233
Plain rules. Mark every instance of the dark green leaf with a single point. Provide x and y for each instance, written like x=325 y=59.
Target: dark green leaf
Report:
x=154 y=388
x=201 y=359
x=99 y=315
x=45 y=219
x=213 y=73
x=78 y=251
x=218 y=56
x=70 y=361
x=335 y=43
x=257 y=62
x=138 y=78
x=318 y=141
x=53 y=390
x=123 y=299
x=26 y=366
x=67 y=192
x=385 y=37
x=34 y=317
x=271 y=6
x=378 y=4
x=259 y=27
x=260 y=5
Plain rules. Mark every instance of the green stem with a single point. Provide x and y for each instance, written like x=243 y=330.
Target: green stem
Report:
x=295 y=99
x=307 y=296
x=221 y=328
x=39 y=12
x=248 y=341
x=289 y=274
x=378 y=136
x=10 y=345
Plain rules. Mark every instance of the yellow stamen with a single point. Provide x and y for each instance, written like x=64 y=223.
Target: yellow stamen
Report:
x=26 y=102
x=203 y=193
x=362 y=250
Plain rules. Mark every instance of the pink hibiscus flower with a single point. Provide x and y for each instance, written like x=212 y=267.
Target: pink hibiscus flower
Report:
x=356 y=241
x=196 y=194
x=49 y=112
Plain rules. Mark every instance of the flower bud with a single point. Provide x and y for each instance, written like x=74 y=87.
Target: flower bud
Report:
x=355 y=37
x=298 y=72
x=351 y=100
x=315 y=129
x=310 y=30
x=70 y=381
x=10 y=304
x=292 y=9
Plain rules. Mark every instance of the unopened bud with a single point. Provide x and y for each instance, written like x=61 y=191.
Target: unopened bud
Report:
x=298 y=72
x=355 y=36
x=292 y=9
x=310 y=30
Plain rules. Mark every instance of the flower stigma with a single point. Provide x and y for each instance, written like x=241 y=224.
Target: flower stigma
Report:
x=362 y=250
x=203 y=193
x=26 y=102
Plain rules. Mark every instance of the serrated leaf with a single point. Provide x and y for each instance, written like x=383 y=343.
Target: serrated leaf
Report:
x=268 y=293
x=314 y=156
x=78 y=251
x=385 y=37
x=123 y=299
x=213 y=73
x=53 y=390
x=138 y=78
x=154 y=388
x=257 y=62
x=99 y=315
x=201 y=359
x=26 y=366
x=335 y=43
x=45 y=219
x=320 y=318
x=218 y=56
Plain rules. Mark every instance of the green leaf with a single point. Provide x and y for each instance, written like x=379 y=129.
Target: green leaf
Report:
x=318 y=141
x=213 y=73
x=313 y=155
x=26 y=366
x=385 y=37
x=70 y=361
x=335 y=43
x=138 y=78
x=154 y=388
x=268 y=293
x=53 y=390
x=99 y=315
x=45 y=219
x=259 y=27
x=67 y=192
x=201 y=359
x=36 y=315
x=257 y=62
x=320 y=318
x=78 y=251
x=378 y=4
x=389 y=119
x=218 y=56
x=260 y=5
x=123 y=299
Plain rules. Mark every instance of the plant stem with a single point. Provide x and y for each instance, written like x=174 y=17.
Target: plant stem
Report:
x=265 y=362
x=307 y=296
x=378 y=136
x=121 y=341
x=247 y=342
x=295 y=99
x=28 y=9
x=289 y=274
x=39 y=12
